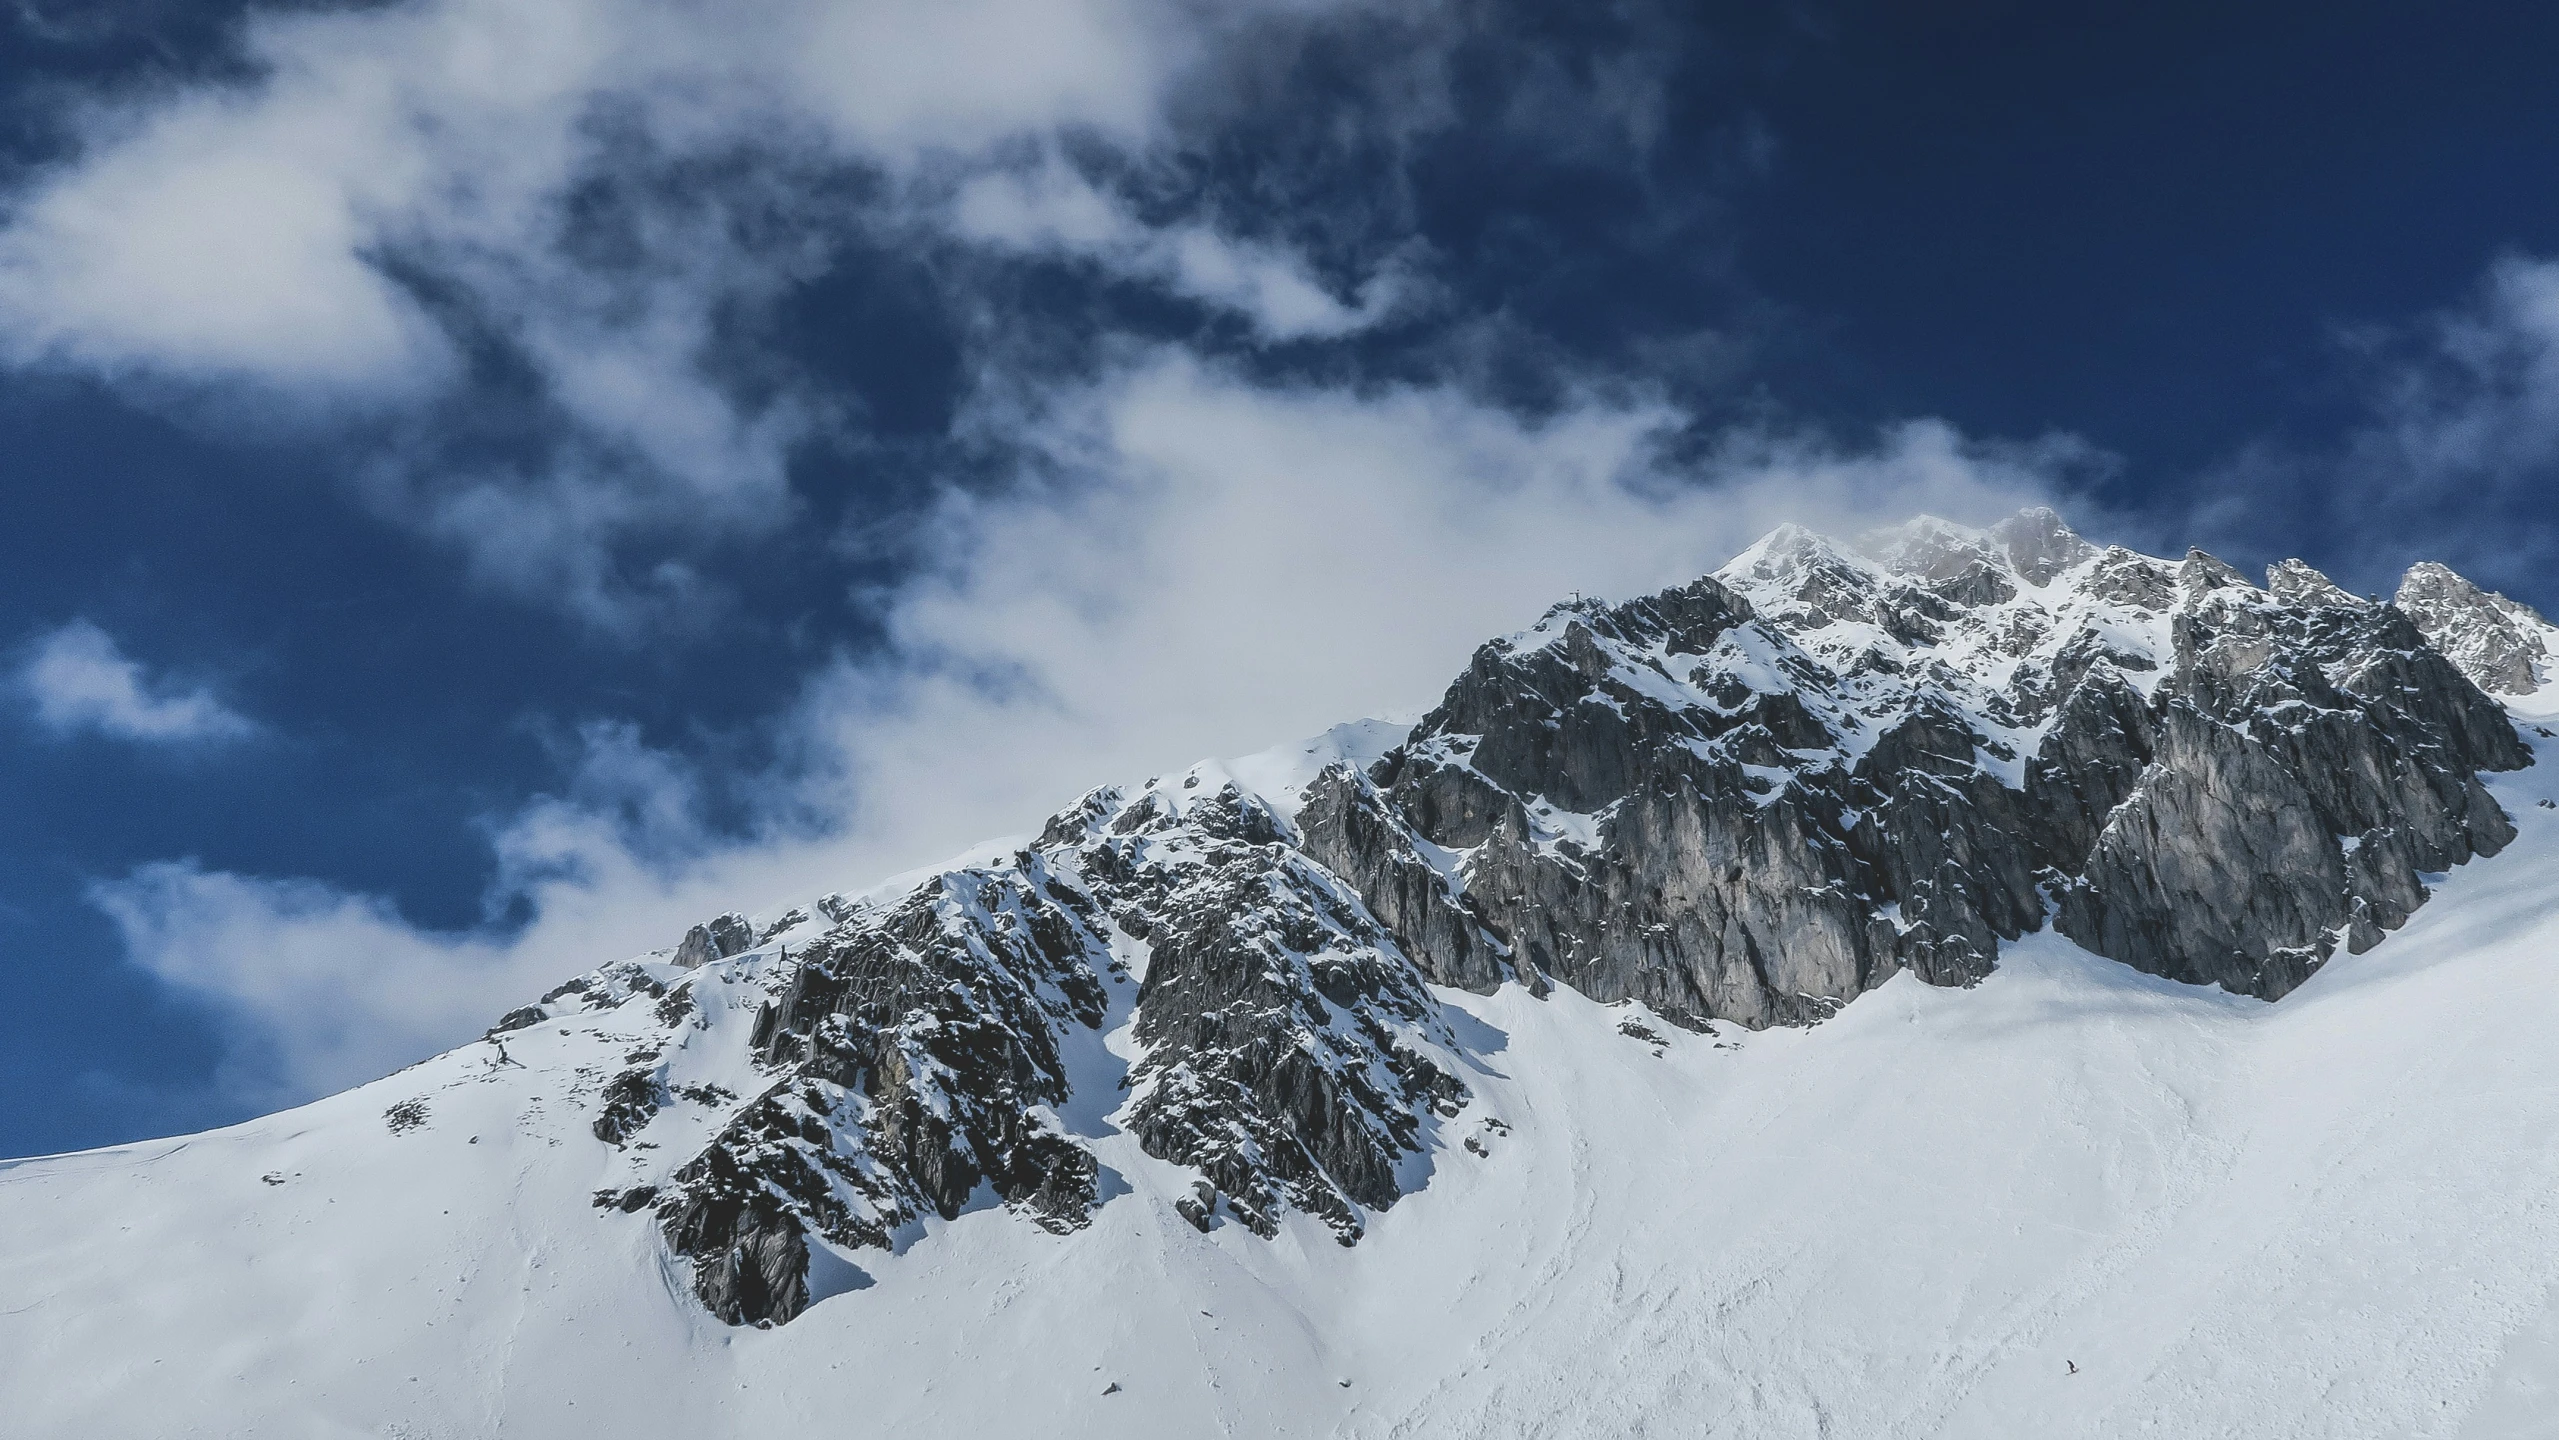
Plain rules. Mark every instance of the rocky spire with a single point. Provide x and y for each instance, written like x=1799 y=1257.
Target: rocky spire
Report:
x=2039 y=545
x=2295 y=583
x=2499 y=643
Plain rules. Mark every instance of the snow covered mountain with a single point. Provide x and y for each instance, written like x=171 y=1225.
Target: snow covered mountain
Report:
x=1963 y=982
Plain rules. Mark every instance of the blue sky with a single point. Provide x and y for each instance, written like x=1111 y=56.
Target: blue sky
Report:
x=488 y=484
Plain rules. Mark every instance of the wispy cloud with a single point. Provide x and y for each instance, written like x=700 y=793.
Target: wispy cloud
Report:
x=80 y=681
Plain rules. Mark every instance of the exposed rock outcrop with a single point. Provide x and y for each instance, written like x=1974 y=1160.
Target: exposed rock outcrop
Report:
x=918 y=1050
x=1292 y=1053
x=2501 y=644
x=1756 y=796
x=715 y=939
x=915 y=1056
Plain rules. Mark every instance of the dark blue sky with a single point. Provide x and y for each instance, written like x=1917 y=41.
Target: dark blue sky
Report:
x=2223 y=245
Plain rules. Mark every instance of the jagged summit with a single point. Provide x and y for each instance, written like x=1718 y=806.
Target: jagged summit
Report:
x=1748 y=799
x=2033 y=545
x=2502 y=644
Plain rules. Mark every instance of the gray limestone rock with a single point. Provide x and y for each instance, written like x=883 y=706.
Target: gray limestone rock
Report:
x=523 y=1017
x=2295 y=583
x=1655 y=801
x=749 y=1247
x=1284 y=1031
x=630 y=1100
x=2495 y=641
x=2039 y=546
x=2315 y=756
x=2215 y=871
x=1699 y=901
x=716 y=939
x=2135 y=581
x=2095 y=751
x=1350 y=831
x=917 y=1049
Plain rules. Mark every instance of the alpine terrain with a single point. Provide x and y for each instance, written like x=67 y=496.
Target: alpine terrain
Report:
x=1957 y=982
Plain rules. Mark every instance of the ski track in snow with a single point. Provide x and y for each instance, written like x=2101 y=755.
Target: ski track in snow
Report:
x=2333 y=1216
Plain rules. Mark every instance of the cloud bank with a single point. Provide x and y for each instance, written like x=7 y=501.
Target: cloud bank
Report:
x=437 y=222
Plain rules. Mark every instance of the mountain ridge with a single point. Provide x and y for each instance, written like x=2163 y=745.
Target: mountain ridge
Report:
x=1747 y=799
x=1278 y=1004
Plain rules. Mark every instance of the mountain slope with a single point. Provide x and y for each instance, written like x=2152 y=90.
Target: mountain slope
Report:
x=1492 y=1203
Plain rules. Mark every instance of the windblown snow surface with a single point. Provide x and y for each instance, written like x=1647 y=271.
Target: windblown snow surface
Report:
x=2333 y=1216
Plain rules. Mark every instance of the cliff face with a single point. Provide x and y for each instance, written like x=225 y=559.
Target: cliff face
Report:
x=1748 y=799
x=947 y=1049
x=1757 y=796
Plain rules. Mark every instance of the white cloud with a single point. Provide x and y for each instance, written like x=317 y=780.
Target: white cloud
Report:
x=2464 y=451
x=320 y=989
x=80 y=680
x=2489 y=401
x=244 y=227
x=326 y=989
x=281 y=234
x=1216 y=565
x=1199 y=566
x=913 y=76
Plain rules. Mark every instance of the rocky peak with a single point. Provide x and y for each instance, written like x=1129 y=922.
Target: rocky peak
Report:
x=924 y=1051
x=2295 y=582
x=2202 y=573
x=1745 y=800
x=1927 y=548
x=2033 y=546
x=2039 y=545
x=1917 y=733
x=2499 y=643
x=715 y=939
x=1794 y=571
